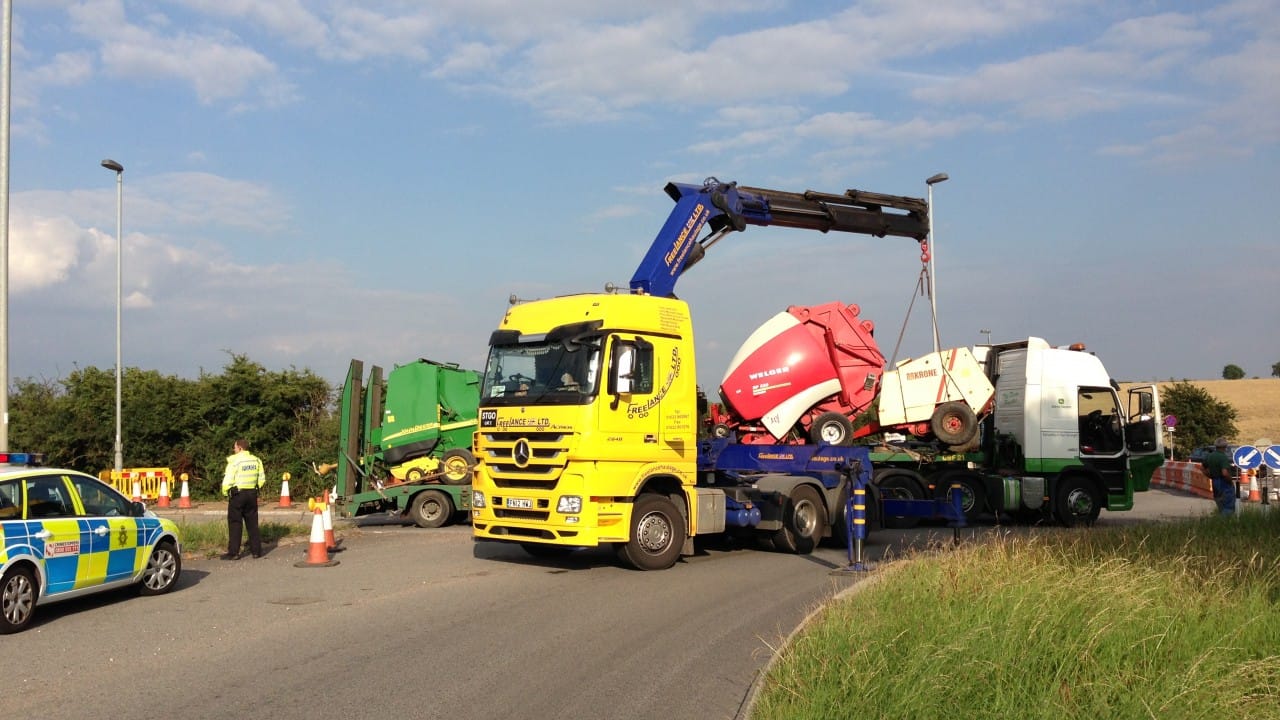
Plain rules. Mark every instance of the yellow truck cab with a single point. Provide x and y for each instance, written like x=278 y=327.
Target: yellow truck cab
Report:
x=589 y=402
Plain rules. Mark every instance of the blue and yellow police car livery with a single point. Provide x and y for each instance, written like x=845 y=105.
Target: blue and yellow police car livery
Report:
x=67 y=534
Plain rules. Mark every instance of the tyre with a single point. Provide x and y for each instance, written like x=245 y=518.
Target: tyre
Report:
x=18 y=595
x=430 y=509
x=456 y=465
x=973 y=493
x=163 y=569
x=831 y=428
x=539 y=550
x=803 y=519
x=954 y=423
x=899 y=486
x=413 y=475
x=657 y=533
x=1076 y=501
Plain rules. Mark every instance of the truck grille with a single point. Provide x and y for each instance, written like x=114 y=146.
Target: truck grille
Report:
x=538 y=464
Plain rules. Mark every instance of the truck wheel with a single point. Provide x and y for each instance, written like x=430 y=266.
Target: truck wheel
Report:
x=973 y=494
x=456 y=465
x=831 y=428
x=803 y=519
x=900 y=487
x=657 y=533
x=430 y=509
x=954 y=423
x=163 y=568
x=1076 y=501
x=17 y=599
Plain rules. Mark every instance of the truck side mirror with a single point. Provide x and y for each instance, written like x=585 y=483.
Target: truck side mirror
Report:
x=624 y=363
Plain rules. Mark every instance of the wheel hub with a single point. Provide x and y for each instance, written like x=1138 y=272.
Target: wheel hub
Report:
x=19 y=596
x=1080 y=502
x=806 y=519
x=653 y=533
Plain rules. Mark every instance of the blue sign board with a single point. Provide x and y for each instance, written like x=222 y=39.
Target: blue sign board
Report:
x=1246 y=457
x=1271 y=456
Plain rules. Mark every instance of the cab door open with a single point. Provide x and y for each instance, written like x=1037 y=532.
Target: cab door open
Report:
x=1144 y=441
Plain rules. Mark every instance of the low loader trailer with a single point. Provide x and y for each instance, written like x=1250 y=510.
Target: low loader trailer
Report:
x=405 y=442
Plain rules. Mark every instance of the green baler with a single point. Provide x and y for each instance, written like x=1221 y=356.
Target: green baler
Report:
x=406 y=442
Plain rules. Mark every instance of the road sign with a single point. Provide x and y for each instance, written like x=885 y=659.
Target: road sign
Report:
x=1170 y=421
x=1271 y=456
x=1246 y=457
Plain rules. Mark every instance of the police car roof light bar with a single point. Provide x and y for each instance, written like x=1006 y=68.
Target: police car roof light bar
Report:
x=12 y=458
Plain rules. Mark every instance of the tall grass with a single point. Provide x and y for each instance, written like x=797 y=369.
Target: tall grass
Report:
x=210 y=538
x=1157 y=621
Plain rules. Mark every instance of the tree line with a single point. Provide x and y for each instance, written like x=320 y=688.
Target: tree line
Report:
x=1234 y=372
x=288 y=417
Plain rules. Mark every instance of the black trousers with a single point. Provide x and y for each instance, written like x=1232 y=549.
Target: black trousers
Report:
x=242 y=512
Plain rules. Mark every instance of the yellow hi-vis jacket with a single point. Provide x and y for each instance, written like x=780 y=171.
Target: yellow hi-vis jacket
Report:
x=244 y=471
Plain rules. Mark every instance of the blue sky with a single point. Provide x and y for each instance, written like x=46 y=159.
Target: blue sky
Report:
x=307 y=182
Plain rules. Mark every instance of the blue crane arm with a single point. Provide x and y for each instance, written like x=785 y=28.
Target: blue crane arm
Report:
x=725 y=208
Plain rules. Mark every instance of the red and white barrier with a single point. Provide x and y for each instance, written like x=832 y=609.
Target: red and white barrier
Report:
x=1185 y=476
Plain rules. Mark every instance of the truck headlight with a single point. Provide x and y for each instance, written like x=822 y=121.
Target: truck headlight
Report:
x=477 y=499
x=569 y=504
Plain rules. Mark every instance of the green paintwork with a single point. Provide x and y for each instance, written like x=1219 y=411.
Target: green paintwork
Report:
x=1142 y=468
x=424 y=408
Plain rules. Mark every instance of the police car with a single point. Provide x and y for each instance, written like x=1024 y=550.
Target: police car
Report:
x=67 y=534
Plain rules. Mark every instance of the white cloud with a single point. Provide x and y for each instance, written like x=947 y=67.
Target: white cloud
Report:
x=199 y=198
x=217 y=66
x=46 y=251
x=360 y=34
x=286 y=19
x=163 y=201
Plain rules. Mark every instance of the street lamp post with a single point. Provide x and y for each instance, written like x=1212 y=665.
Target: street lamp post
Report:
x=933 y=252
x=118 y=169
x=986 y=332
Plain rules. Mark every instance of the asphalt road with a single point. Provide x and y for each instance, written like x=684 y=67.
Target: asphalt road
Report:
x=428 y=624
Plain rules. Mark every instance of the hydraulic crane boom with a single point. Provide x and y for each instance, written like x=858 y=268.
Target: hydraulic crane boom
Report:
x=725 y=207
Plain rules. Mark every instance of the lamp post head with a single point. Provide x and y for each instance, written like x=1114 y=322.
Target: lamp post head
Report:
x=113 y=165
x=940 y=177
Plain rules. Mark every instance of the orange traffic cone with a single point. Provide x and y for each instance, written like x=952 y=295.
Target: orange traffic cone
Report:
x=137 y=491
x=163 y=499
x=1255 y=495
x=285 y=500
x=330 y=541
x=317 y=552
x=184 y=500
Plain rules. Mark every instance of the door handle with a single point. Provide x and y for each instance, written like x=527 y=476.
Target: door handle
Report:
x=101 y=530
x=44 y=534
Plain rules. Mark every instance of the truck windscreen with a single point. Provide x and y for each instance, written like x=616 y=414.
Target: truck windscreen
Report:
x=542 y=373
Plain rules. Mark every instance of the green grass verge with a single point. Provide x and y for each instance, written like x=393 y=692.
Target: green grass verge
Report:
x=1161 y=621
x=210 y=538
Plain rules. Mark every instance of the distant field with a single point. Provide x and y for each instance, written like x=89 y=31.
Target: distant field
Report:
x=1257 y=403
